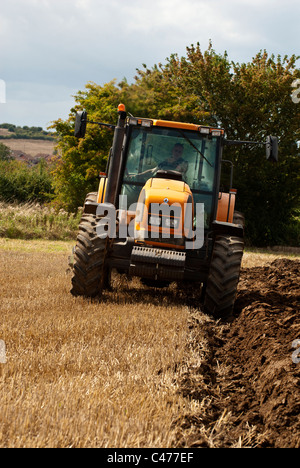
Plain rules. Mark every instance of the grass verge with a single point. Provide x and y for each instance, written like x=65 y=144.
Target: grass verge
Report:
x=34 y=221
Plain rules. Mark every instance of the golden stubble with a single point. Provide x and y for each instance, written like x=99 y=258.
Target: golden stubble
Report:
x=83 y=373
x=128 y=371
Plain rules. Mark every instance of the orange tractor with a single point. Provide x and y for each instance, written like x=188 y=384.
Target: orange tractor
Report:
x=159 y=213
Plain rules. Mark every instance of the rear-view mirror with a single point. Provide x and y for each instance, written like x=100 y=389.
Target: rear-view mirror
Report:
x=272 y=148
x=80 y=124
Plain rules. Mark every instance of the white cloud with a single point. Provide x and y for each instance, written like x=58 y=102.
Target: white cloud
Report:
x=55 y=45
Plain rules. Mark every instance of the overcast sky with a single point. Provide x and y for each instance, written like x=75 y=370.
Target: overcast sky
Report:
x=50 y=49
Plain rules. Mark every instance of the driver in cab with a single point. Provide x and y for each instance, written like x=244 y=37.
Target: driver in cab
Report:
x=175 y=162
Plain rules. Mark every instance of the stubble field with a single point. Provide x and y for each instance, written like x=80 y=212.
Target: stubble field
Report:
x=145 y=367
x=30 y=146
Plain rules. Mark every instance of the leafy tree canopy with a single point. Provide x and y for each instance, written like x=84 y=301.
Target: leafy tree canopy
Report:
x=4 y=153
x=249 y=100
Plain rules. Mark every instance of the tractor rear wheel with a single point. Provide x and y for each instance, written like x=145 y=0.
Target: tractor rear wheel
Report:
x=223 y=276
x=90 y=274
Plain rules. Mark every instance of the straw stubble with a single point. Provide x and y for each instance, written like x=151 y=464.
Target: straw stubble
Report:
x=83 y=373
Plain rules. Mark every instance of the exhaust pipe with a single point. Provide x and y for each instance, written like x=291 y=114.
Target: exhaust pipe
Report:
x=115 y=157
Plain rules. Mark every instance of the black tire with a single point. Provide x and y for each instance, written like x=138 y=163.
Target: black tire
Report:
x=223 y=276
x=90 y=274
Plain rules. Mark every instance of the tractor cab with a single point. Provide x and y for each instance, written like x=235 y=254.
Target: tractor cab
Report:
x=155 y=149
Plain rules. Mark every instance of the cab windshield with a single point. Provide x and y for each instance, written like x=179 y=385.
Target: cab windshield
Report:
x=156 y=148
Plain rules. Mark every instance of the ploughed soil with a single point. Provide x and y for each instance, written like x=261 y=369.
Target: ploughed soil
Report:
x=252 y=370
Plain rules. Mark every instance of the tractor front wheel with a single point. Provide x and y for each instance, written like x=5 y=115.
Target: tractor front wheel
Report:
x=90 y=274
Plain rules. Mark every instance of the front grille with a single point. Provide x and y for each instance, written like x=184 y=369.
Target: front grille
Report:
x=157 y=263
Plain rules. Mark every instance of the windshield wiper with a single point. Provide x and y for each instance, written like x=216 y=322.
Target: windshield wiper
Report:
x=195 y=147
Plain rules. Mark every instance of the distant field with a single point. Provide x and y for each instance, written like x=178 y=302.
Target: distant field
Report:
x=32 y=147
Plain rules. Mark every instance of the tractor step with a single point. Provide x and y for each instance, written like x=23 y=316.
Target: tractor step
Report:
x=157 y=264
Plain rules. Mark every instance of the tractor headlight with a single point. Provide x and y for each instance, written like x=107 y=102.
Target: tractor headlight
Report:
x=171 y=223
x=154 y=220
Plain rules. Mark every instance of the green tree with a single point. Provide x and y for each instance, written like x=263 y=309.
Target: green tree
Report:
x=249 y=100
x=21 y=183
x=5 y=154
x=77 y=170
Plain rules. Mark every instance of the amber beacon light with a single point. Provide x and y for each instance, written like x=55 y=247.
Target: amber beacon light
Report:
x=121 y=108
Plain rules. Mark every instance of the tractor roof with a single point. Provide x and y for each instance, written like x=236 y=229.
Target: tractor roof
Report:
x=214 y=131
